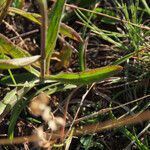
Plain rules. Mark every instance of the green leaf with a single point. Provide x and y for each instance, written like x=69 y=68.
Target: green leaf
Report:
x=123 y=59
x=146 y=6
x=8 y=48
x=34 y=17
x=11 y=99
x=7 y=103
x=18 y=3
x=31 y=16
x=18 y=62
x=53 y=26
x=86 y=77
x=70 y=32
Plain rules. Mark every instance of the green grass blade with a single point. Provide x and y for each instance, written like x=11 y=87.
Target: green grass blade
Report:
x=146 y=6
x=86 y=77
x=96 y=30
x=123 y=59
x=53 y=28
x=12 y=77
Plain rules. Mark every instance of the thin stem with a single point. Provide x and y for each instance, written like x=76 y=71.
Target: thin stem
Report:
x=12 y=77
x=43 y=9
x=106 y=110
x=48 y=64
x=108 y=16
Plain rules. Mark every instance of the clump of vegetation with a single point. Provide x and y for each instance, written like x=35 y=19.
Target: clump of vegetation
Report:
x=73 y=70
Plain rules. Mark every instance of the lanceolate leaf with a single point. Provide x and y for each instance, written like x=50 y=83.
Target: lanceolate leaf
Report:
x=69 y=32
x=18 y=62
x=53 y=27
x=86 y=77
x=8 y=48
x=31 y=16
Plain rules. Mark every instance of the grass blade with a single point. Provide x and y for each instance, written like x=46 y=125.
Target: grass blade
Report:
x=53 y=29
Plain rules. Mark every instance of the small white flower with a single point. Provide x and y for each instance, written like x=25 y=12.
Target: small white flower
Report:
x=46 y=115
x=41 y=134
x=60 y=121
x=52 y=125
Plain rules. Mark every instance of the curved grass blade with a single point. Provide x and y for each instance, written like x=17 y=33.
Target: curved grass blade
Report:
x=123 y=59
x=86 y=77
x=126 y=57
x=18 y=62
x=8 y=48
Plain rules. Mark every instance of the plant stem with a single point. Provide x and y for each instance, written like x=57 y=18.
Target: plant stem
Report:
x=43 y=9
x=12 y=77
x=48 y=65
